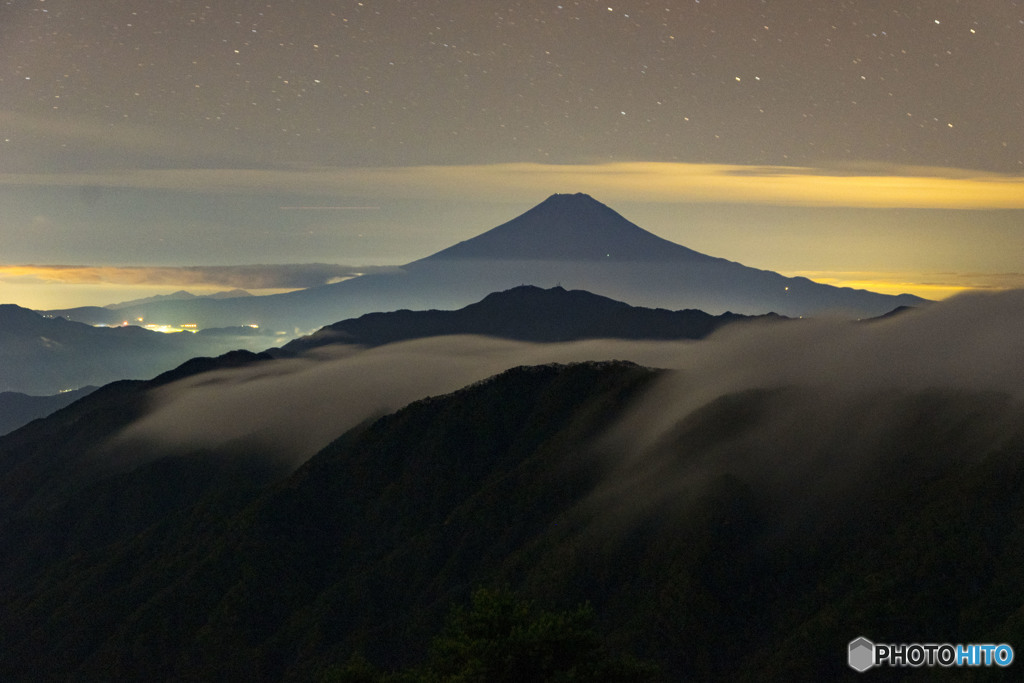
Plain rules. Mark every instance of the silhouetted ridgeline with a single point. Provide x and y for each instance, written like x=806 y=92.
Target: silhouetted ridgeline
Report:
x=526 y=313
x=46 y=354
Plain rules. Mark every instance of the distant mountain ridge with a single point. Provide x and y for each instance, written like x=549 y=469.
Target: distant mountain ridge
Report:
x=44 y=355
x=17 y=409
x=526 y=313
x=571 y=240
x=180 y=295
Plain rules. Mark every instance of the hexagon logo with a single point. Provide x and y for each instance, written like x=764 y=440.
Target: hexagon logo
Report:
x=861 y=654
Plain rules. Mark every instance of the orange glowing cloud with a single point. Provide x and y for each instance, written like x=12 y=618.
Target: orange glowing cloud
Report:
x=257 y=277
x=926 y=285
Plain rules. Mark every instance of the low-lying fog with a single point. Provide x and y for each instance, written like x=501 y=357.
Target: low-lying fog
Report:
x=294 y=407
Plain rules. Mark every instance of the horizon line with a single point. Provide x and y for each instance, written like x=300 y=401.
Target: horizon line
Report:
x=878 y=186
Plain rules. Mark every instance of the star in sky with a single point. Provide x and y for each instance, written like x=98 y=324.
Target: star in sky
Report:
x=384 y=83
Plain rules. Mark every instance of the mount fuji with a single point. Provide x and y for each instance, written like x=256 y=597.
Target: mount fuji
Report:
x=569 y=240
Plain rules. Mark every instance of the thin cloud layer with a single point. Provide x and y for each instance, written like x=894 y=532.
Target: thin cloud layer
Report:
x=802 y=415
x=872 y=186
x=933 y=286
x=294 y=407
x=249 y=277
x=969 y=342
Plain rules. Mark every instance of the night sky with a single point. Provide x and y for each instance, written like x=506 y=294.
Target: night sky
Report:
x=864 y=141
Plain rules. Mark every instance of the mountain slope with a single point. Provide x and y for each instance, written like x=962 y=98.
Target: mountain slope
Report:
x=17 y=409
x=568 y=240
x=746 y=545
x=182 y=552
x=568 y=228
x=45 y=461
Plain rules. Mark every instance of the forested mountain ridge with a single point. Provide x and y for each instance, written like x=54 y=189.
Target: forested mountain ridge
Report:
x=744 y=544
